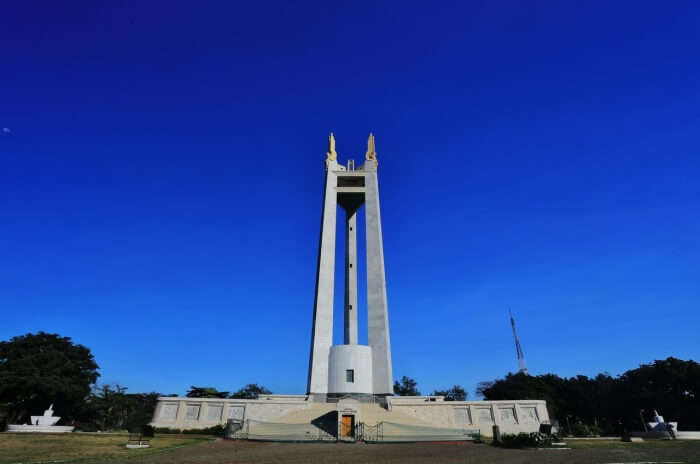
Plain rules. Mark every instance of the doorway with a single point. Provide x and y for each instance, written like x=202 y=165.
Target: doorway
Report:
x=347 y=426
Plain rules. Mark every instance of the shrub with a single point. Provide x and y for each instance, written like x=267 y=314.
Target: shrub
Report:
x=87 y=427
x=217 y=430
x=579 y=429
x=143 y=430
x=524 y=440
x=166 y=430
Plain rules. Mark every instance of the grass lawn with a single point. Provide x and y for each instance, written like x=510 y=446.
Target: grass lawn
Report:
x=179 y=449
x=89 y=448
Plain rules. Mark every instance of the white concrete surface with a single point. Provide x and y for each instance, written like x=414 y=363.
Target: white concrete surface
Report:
x=40 y=428
x=510 y=416
x=322 y=328
x=357 y=358
x=195 y=413
x=350 y=188
x=377 y=306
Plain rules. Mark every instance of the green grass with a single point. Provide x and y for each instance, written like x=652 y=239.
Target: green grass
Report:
x=37 y=448
x=187 y=449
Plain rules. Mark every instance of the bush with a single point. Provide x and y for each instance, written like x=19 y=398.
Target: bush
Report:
x=166 y=430
x=579 y=429
x=143 y=430
x=87 y=427
x=524 y=440
x=217 y=430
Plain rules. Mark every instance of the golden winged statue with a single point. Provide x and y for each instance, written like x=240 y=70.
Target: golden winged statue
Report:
x=371 y=154
x=331 y=155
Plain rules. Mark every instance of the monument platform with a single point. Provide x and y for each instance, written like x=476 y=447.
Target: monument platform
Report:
x=40 y=428
x=278 y=416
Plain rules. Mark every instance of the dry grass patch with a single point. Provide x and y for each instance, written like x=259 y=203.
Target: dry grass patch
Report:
x=36 y=448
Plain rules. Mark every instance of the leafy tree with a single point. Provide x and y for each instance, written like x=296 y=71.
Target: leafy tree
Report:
x=111 y=408
x=407 y=387
x=456 y=393
x=206 y=392
x=524 y=387
x=40 y=369
x=251 y=392
x=670 y=386
x=482 y=386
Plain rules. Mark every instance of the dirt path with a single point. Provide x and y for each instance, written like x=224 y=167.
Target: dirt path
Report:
x=233 y=452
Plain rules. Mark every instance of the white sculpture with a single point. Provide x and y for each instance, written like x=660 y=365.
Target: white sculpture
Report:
x=45 y=423
x=659 y=425
x=47 y=419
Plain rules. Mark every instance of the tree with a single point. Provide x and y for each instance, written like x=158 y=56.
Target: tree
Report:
x=206 y=392
x=37 y=370
x=251 y=392
x=482 y=386
x=109 y=407
x=671 y=386
x=407 y=387
x=456 y=393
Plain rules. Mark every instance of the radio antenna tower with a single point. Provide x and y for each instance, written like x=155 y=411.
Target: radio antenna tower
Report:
x=518 y=349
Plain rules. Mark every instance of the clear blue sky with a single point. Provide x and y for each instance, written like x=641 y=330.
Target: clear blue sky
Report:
x=162 y=171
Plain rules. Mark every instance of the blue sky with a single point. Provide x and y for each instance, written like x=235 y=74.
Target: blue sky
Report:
x=162 y=172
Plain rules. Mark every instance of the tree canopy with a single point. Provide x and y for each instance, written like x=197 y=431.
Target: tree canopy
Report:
x=670 y=386
x=110 y=407
x=407 y=387
x=456 y=393
x=206 y=392
x=37 y=370
x=251 y=391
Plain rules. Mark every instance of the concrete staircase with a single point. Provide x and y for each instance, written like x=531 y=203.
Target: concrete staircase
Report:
x=320 y=422
x=306 y=415
x=370 y=414
x=373 y=414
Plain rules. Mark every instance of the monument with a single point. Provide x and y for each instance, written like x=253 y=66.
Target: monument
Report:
x=350 y=386
x=43 y=424
x=350 y=370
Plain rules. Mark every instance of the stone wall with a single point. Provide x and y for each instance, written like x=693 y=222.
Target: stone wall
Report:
x=511 y=416
x=199 y=413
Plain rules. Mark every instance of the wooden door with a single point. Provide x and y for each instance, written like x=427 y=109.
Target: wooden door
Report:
x=347 y=425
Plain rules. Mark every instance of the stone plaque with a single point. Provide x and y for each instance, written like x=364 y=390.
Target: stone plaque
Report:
x=168 y=412
x=214 y=412
x=192 y=412
x=485 y=416
x=462 y=416
x=529 y=414
x=236 y=413
x=507 y=415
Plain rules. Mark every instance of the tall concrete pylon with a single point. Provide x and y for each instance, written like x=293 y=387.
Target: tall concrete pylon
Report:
x=350 y=369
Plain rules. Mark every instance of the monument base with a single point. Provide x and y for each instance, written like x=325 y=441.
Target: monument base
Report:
x=40 y=428
x=274 y=416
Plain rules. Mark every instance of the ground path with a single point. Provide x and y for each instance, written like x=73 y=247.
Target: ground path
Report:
x=82 y=448
x=234 y=452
